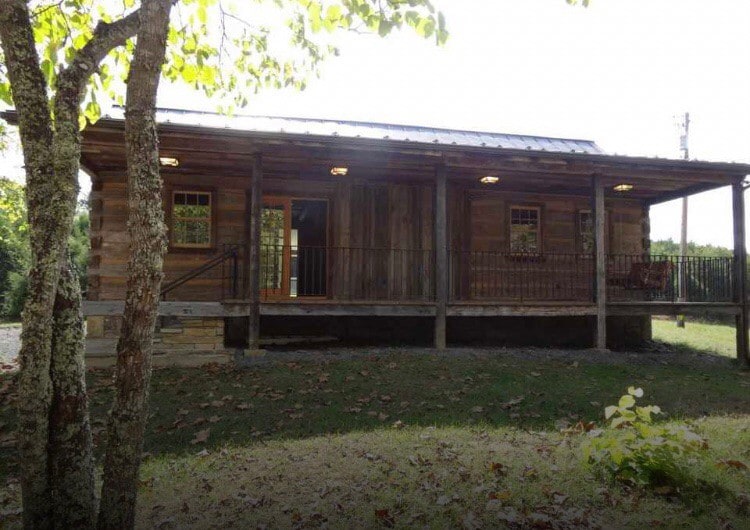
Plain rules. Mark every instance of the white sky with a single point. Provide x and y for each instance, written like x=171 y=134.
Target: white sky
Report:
x=619 y=73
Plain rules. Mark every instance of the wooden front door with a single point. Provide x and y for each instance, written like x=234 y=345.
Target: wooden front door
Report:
x=293 y=253
x=275 y=243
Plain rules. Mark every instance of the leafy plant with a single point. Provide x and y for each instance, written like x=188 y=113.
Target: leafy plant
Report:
x=14 y=296
x=635 y=451
x=15 y=255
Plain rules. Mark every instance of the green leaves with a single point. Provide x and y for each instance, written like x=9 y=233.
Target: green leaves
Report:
x=379 y=17
x=626 y=401
x=636 y=392
x=638 y=452
x=216 y=48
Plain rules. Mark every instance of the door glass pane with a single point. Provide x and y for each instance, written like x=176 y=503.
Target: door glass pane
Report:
x=272 y=247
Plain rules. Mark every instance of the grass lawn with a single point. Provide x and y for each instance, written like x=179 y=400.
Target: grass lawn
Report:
x=716 y=338
x=403 y=440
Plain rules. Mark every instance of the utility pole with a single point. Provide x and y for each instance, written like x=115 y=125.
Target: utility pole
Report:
x=681 y=270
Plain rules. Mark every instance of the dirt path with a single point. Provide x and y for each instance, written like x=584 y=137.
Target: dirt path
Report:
x=10 y=342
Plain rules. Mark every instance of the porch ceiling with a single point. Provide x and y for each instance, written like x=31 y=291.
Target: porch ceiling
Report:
x=229 y=153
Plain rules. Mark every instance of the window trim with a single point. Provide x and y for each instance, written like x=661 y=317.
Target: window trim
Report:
x=539 y=230
x=190 y=247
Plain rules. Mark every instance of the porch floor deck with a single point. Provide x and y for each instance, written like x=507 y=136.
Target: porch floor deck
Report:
x=474 y=308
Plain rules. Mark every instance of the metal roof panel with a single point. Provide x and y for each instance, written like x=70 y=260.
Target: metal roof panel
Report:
x=359 y=129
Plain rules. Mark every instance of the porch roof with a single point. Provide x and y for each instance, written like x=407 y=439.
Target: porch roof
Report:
x=369 y=130
x=210 y=144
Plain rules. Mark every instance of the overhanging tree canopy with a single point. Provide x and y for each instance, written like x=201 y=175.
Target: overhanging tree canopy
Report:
x=60 y=59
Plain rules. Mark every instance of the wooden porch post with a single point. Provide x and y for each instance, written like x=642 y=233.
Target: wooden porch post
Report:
x=441 y=256
x=740 y=271
x=601 y=265
x=253 y=261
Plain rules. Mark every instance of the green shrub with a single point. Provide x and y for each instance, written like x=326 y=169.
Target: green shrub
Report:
x=14 y=296
x=635 y=451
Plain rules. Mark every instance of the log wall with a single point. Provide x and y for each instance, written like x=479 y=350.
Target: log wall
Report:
x=381 y=233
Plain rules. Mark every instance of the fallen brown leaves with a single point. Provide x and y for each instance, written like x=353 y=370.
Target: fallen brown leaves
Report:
x=201 y=437
x=732 y=464
x=385 y=518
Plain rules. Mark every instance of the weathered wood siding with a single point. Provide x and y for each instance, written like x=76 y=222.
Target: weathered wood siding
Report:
x=382 y=242
x=109 y=241
x=380 y=238
x=380 y=234
x=483 y=268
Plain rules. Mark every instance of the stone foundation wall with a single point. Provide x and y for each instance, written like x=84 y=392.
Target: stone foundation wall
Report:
x=174 y=336
x=189 y=335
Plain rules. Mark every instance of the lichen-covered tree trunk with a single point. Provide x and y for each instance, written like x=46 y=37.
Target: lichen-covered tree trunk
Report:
x=71 y=460
x=146 y=228
x=57 y=489
x=49 y=205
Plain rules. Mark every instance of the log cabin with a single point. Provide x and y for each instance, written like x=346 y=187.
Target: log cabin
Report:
x=283 y=228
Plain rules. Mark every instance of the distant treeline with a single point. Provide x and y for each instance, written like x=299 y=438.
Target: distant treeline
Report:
x=668 y=247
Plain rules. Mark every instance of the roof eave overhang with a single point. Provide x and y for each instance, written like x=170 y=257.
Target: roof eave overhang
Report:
x=718 y=173
x=439 y=151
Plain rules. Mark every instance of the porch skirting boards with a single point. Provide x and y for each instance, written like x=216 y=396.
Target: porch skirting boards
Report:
x=194 y=333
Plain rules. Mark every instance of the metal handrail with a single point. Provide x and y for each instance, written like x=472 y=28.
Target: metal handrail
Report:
x=231 y=254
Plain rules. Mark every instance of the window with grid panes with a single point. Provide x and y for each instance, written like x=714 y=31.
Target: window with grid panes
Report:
x=191 y=219
x=525 y=231
x=586 y=231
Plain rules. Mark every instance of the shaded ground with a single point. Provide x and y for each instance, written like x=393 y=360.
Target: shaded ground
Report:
x=396 y=437
x=319 y=392
x=404 y=438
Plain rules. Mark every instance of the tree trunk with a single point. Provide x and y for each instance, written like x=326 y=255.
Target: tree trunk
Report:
x=71 y=460
x=48 y=240
x=147 y=245
x=57 y=486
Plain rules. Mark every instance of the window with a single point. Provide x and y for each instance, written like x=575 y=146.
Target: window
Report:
x=524 y=230
x=585 y=226
x=191 y=219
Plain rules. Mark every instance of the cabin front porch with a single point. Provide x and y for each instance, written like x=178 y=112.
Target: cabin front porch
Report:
x=364 y=295
x=452 y=233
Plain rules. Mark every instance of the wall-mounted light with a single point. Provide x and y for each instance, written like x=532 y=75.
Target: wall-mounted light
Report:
x=169 y=161
x=339 y=171
x=623 y=188
x=489 y=179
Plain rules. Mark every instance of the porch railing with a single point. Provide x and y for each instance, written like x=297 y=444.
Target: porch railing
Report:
x=488 y=275
x=222 y=269
x=403 y=275
x=346 y=273
x=669 y=278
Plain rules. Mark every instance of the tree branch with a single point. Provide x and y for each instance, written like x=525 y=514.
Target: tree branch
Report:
x=107 y=36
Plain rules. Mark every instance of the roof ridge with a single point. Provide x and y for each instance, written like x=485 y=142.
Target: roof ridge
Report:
x=416 y=128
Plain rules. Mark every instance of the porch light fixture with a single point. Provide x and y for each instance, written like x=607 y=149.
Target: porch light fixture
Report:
x=489 y=179
x=623 y=188
x=169 y=161
x=339 y=171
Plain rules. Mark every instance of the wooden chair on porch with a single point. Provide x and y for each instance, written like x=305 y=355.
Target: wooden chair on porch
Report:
x=641 y=279
x=650 y=275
